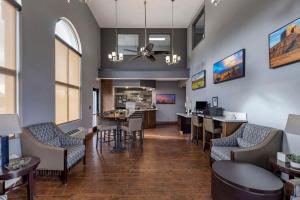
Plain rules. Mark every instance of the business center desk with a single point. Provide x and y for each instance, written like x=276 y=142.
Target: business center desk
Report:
x=230 y=122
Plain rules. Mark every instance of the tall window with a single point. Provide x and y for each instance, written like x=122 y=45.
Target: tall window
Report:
x=67 y=73
x=199 y=28
x=8 y=56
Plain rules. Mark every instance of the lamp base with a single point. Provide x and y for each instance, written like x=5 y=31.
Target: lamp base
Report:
x=4 y=150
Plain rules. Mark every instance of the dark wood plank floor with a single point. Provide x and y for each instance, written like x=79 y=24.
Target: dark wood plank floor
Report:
x=169 y=167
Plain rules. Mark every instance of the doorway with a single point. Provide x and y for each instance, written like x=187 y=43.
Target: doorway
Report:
x=96 y=107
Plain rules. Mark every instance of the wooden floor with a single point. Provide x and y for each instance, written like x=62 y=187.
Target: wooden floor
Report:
x=169 y=167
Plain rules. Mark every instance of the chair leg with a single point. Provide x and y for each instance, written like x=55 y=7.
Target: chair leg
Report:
x=204 y=140
x=97 y=139
x=197 y=135
x=101 y=144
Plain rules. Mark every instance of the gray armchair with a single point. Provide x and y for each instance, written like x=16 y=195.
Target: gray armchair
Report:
x=58 y=151
x=250 y=143
x=292 y=189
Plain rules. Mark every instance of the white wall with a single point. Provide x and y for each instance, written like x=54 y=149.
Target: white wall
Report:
x=167 y=112
x=38 y=19
x=266 y=95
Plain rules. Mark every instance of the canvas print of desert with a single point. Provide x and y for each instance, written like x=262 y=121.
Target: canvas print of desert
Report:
x=198 y=80
x=231 y=67
x=285 y=45
x=165 y=99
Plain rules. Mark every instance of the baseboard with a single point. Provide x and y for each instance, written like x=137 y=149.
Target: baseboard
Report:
x=90 y=134
x=166 y=123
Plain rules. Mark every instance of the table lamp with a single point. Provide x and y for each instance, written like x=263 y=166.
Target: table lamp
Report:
x=293 y=124
x=9 y=126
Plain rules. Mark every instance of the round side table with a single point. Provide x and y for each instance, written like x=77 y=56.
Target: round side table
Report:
x=26 y=172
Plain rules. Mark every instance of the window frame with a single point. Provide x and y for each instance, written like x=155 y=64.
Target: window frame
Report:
x=201 y=13
x=164 y=33
x=68 y=85
x=15 y=72
x=138 y=43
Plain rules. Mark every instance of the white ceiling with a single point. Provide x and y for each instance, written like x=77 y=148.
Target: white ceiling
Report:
x=131 y=13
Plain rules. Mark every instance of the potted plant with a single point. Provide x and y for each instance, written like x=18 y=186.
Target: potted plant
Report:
x=294 y=160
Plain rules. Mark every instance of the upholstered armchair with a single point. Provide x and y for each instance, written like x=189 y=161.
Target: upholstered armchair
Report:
x=292 y=189
x=58 y=151
x=250 y=143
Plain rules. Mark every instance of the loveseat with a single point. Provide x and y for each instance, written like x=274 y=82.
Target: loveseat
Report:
x=251 y=143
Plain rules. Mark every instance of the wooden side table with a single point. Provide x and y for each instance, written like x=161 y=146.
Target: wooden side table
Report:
x=278 y=167
x=26 y=172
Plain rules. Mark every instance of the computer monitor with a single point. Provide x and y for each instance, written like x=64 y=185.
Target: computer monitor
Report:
x=201 y=105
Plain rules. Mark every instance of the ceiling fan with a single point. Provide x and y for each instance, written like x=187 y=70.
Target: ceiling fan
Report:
x=147 y=50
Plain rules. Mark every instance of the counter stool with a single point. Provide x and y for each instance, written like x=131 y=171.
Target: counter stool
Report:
x=210 y=129
x=106 y=132
x=196 y=123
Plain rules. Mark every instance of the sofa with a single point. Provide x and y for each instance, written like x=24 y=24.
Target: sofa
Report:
x=58 y=151
x=251 y=143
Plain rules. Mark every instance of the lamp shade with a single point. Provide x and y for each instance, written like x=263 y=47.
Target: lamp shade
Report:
x=9 y=124
x=293 y=124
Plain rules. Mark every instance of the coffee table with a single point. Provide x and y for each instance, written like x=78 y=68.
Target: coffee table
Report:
x=236 y=181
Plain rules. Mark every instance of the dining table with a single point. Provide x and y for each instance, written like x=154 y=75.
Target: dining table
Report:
x=118 y=118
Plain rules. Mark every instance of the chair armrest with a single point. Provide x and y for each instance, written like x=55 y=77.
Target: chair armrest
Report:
x=230 y=141
x=67 y=140
x=259 y=154
x=52 y=158
x=291 y=187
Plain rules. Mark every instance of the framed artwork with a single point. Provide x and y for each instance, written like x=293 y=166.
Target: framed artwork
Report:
x=199 y=80
x=166 y=99
x=284 y=45
x=215 y=102
x=230 y=68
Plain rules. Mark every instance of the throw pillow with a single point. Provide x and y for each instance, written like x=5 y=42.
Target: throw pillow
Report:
x=244 y=143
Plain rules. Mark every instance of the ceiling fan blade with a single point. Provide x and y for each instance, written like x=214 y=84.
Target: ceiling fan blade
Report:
x=136 y=57
x=130 y=50
x=151 y=57
x=161 y=53
x=149 y=47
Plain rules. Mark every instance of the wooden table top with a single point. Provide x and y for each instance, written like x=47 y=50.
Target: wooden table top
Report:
x=6 y=174
x=284 y=167
x=247 y=176
x=114 y=116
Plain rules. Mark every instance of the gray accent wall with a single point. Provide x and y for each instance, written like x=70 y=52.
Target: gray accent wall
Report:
x=167 y=112
x=142 y=68
x=37 y=79
x=266 y=95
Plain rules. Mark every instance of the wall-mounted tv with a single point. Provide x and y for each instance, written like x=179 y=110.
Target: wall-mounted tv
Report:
x=230 y=68
x=166 y=99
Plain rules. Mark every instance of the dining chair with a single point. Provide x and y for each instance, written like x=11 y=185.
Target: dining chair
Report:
x=210 y=130
x=106 y=132
x=198 y=125
x=134 y=128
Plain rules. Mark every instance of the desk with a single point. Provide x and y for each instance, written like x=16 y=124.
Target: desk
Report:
x=230 y=122
x=184 y=122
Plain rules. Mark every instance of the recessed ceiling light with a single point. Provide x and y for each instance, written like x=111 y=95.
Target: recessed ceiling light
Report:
x=157 y=39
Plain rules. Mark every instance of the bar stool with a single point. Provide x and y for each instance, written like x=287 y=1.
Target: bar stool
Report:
x=106 y=132
x=196 y=123
x=209 y=127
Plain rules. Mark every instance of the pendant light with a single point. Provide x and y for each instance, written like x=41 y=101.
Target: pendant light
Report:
x=173 y=58
x=115 y=56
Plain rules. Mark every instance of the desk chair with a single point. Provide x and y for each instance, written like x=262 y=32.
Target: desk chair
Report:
x=196 y=123
x=209 y=128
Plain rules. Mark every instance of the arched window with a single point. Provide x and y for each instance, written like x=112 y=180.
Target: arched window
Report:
x=8 y=55
x=67 y=72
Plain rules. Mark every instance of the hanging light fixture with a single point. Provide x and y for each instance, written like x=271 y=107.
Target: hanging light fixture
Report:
x=173 y=58
x=115 y=56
